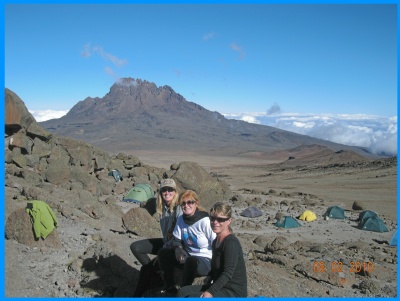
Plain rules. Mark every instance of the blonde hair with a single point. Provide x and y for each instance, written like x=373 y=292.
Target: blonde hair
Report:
x=223 y=209
x=191 y=195
x=160 y=202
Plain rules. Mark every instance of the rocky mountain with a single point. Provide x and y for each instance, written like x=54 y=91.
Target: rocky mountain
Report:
x=137 y=115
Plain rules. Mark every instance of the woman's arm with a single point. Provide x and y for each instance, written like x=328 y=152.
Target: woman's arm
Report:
x=230 y=254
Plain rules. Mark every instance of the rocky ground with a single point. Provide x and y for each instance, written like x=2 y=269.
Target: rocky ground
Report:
x=319 y=259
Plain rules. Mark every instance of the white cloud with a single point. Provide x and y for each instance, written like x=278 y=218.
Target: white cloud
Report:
x=250 y=119
x=209 y=36
x=43 y=115
x=239 y=49
x=377 y=133
x=88 y=51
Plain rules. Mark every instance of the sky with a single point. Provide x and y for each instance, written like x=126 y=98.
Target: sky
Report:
x=246 y=61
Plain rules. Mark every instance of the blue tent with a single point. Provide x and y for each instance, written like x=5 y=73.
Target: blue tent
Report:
x=366 y=214
x=393 y=240
x=251 y=212
x=116 y=174
x=287 y=222
x=335 y=212
x=373 y=223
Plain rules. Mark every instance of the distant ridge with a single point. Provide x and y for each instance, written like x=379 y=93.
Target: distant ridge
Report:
x=137 y=115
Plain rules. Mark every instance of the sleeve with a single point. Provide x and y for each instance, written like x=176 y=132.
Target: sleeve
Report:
x=37 y=225
x=178 y=211
x=177 y=230
x=230 y=253
x=52 y=215
x=176 y=239
x=209 y=232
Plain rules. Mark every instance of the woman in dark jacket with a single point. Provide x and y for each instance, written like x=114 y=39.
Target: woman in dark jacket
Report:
x=228 y=269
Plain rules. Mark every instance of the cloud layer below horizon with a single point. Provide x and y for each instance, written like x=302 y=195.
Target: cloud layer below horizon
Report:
x=376 y=133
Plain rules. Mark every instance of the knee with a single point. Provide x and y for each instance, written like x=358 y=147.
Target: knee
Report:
x=162 y=253
x=192 y=261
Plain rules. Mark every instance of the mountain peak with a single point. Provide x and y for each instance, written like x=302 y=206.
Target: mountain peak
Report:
x=136 y=114
x=130 y=97
x=131 y=85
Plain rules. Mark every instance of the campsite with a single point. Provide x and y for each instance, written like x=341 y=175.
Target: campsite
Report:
x=88 y=254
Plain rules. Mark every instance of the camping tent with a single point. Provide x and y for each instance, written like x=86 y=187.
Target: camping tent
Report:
x=393 y=240
x=116 y=174
x=251 y=212
x=147 y=188
x=308 y=216
x=335 y=212
x=372 y=223
x=287 y=222
x=139 y=193
x=366 y=214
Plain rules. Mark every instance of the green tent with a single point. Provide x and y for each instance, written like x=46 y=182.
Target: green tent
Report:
x=147 y=187
x=335 y=212
x=366 y=214
x=139 y=193
x=372 y=223
x=287 y=222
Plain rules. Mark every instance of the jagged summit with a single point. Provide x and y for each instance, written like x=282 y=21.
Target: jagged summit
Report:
x=130 y=97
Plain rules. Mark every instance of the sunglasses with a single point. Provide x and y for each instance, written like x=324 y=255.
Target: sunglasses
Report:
x=190 y=203
x=165 y=189
x=219 y=219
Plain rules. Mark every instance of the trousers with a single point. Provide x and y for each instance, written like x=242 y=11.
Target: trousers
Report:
x=193 y=266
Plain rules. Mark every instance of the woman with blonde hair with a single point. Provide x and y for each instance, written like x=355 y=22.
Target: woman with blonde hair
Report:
x=168 y=207
x=190 y=250
x=228 y=270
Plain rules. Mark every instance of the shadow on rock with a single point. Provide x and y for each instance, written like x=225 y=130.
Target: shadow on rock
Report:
x=108 y=277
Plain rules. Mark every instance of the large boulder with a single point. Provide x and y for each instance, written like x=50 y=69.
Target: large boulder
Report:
x=140 y=222
x=191 y=175
x=19 y=227
x=17 y=115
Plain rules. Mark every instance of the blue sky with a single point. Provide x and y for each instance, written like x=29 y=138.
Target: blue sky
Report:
x=307 y=58
x=237 y=59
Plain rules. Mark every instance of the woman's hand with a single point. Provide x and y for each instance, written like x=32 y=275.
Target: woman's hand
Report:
x=180 y=255
x=206 y=295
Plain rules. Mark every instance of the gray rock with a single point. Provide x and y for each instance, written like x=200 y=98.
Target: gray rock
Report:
x=140 y=222
x=191 y=175
x=19 y=228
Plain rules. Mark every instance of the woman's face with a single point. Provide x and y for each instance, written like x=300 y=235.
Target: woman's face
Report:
x=167 y=194
x=188 y=206
x=219 y=223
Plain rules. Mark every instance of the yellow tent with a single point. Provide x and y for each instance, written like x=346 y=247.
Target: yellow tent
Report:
x=308 y=216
